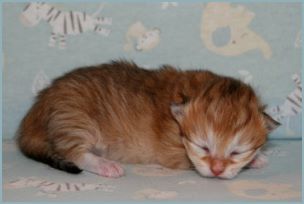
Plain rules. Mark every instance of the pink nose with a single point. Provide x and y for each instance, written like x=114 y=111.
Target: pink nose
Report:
x=217 y=167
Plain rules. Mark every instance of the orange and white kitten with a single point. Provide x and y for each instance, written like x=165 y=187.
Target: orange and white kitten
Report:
x=94 y=117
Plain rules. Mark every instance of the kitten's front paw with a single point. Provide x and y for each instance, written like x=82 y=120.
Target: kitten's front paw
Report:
x=258 y=162
x=110 y=169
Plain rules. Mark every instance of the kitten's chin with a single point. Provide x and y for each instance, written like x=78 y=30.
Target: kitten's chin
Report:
x=205 y=172
x=221 y=176
x=227 y=176
x=230 y=172
x=206 y=175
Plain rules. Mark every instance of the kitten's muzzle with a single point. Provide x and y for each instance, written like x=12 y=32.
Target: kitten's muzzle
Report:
x=217 y=167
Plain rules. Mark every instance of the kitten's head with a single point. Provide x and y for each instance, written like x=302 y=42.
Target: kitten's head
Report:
x=223 y=128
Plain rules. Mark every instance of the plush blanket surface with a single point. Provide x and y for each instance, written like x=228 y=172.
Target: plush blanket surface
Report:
x=280 y=180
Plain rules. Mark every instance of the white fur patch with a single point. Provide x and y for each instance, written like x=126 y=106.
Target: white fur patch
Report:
x=211 y=141
x=195 y=153
x=236 y=146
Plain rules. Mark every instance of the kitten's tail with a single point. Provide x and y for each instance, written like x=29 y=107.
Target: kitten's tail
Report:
x=33 y=143
x=37 y=149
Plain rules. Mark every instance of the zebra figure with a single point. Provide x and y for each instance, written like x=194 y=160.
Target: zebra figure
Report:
x=63 y=23
x=291 y=106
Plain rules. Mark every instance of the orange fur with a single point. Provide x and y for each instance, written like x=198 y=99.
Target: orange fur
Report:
x=122 y=112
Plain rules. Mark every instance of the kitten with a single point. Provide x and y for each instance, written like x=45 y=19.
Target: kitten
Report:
x=93 y=117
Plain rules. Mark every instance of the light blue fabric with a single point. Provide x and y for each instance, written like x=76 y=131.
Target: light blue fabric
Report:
x=28 y=181
x=30 y=63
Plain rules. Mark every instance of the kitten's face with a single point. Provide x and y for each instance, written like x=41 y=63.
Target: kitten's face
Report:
x=223 y=129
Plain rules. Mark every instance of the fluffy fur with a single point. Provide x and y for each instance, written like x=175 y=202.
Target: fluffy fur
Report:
x=93 y=117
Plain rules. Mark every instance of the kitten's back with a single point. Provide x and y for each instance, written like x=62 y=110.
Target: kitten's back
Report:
x=116 y=110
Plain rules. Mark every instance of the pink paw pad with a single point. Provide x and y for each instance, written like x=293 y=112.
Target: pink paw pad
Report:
x=110 y=169
x=258 y=162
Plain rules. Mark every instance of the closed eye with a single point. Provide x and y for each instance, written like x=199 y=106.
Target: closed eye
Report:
x=240 y=153
x=206 y=149
x=235 y=153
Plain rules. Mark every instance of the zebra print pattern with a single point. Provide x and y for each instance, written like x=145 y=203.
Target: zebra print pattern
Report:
x=293 y=103
x=50 y=187
x=65 y=23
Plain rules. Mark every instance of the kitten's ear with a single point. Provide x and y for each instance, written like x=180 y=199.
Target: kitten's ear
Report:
x=270 y=123
x=178 y=111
